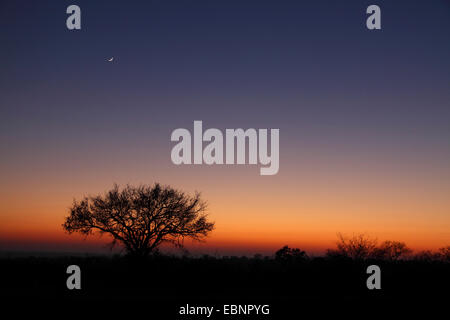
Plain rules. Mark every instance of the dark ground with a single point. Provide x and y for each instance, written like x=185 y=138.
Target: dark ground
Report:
x=155 y=288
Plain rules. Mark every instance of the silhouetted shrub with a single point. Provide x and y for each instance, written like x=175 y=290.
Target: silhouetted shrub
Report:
x=426 y=256
x=391 y=251
x=444 y=254
x=358 y=247
x=287 y=254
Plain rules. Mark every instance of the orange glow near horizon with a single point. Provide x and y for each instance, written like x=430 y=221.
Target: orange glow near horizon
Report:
x=275 y=211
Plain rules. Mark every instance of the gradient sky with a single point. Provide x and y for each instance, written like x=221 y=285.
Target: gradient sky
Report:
x=364 y=116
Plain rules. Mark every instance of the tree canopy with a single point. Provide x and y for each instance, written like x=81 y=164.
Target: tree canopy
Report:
x=141 y=218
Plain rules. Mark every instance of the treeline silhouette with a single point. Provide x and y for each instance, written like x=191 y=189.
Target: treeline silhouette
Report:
x=362 y=247
x=291 y=275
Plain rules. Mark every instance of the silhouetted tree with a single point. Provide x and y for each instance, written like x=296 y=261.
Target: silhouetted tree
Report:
x=358 y=247
x=287 y=254
x=444 y=254
x=426 y=256
x=141 y=218
x=391 y=251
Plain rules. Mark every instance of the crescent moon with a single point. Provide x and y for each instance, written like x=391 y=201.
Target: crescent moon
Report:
x=111 y=59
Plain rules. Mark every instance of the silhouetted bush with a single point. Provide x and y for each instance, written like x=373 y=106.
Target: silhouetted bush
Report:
x=391 y=251
x=444 y=254
x=358 y=247
x=290 y=255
